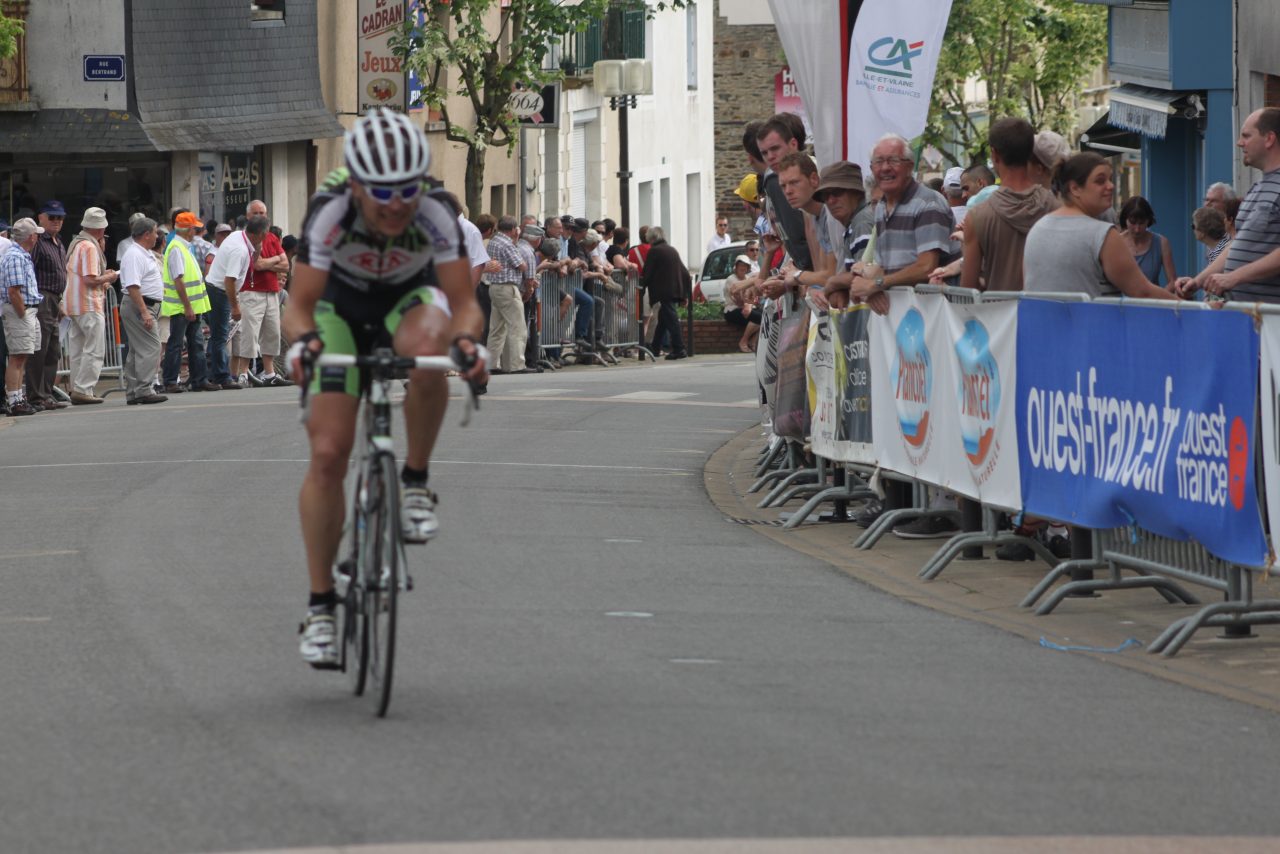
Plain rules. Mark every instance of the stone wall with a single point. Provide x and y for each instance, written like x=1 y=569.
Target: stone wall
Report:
x=746 y=59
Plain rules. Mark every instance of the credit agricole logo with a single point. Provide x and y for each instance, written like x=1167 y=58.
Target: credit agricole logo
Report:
x=892 y=56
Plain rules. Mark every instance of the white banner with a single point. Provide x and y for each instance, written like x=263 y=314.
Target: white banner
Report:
x=812 y=36
x=943 y=395
x=1270 y=406
x=892 y=59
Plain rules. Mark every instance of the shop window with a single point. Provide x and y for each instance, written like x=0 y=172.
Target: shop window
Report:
x=266 y=12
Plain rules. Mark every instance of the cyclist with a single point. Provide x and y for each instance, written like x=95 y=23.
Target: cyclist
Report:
x=380 y=260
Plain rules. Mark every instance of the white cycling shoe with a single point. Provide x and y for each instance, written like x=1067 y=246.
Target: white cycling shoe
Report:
x=418 y=522
x=319 y=645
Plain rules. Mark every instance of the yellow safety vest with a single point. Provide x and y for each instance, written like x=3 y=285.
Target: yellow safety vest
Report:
x=192 y=282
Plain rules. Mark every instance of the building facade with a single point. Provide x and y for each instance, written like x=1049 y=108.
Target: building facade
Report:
x=749 y=63
x=141 y=105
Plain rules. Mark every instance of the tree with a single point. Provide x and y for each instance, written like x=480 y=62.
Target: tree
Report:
x=455 y=43
x=1028 y=56
x=10 y=29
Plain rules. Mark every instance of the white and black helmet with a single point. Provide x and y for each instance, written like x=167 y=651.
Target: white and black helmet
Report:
x=385 y=147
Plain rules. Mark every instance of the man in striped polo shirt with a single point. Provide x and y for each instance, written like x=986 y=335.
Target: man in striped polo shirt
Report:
x=1249 y=270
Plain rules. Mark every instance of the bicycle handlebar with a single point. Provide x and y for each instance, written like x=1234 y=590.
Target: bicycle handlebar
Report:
x=389 y=362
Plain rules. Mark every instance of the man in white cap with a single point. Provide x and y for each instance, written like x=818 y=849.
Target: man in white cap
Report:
x=84 y=302
x=20 y=297
x=953 y=187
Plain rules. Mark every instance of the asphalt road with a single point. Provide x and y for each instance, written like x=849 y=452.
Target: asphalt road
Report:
x=592 y=652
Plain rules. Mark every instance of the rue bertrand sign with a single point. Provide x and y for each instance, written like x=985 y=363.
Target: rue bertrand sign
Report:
x=380 y=77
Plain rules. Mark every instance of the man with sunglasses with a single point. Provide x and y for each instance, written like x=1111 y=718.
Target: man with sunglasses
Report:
x=380 y=261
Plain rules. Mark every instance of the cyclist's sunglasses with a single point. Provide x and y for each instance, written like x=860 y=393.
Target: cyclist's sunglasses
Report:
x=385 y=195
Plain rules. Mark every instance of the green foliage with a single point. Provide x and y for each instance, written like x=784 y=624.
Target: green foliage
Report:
x=702 y=311
x=1029 y=57
x=458 y=48
x=10 y=29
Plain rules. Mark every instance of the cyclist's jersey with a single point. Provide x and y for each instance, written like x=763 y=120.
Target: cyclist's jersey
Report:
x=335 y=238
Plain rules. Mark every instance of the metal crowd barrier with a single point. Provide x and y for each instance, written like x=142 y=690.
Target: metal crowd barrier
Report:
x=617 y=324
x=113 y=355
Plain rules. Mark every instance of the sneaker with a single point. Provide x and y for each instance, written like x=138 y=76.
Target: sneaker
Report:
x=868 y=515
x=418 y=514
x=276 y=382
x=673 y=356
x=1060 y=546
x=231 y=385
x=22 y=407
x=254 y=380
x=927 y=528
x=319 y=645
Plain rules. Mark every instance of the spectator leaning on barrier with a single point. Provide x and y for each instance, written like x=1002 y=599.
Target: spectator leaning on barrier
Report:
x=1071 y=250
x=507 y=334
x=50 y=260
x=143 y=287
x=259 y=333
x=776 y=138
x=186 y=300
x=913 y=227
x=668 y=283
x=996 y=231
x=616 y=252
x=977 y=183
x=85 y=305
x=844 y=197
x=1249 y=269
x=798 y=177
x=22 y=297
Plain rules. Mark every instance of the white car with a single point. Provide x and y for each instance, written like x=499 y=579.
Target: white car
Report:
x=716 y=270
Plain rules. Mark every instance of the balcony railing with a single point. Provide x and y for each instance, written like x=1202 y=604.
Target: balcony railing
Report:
x=619 y=35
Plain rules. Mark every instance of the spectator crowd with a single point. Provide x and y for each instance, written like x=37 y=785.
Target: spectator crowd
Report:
x=1038 y=217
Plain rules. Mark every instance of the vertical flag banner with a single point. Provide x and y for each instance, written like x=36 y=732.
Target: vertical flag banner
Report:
x=1114 y=431
x=1271 y=420
x=893 y=56
x=812 y=38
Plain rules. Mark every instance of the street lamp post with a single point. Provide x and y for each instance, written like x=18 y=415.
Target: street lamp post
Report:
x=621 y=81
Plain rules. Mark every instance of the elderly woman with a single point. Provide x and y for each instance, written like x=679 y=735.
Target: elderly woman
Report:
x=1071 y=250
x=1209 y=225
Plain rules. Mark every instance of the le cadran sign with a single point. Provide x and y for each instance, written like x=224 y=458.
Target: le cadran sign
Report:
x=536 y=107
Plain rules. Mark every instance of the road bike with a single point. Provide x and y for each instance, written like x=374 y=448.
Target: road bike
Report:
x=371 y=572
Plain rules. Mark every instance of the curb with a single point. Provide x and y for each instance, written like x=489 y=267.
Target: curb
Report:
x=988 y=592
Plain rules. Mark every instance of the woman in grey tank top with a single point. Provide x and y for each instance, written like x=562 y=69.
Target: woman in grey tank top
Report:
x=1152 y=251
x=1072 y=251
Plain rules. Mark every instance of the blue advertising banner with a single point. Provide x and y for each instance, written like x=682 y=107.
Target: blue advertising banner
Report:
x=1131 y=415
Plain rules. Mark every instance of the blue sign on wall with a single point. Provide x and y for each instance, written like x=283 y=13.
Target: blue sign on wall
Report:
x=103 y=68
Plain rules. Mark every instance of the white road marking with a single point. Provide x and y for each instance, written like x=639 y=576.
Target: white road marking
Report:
x=537 y=392
x=644 y=615
x=25 y=619
x=827 y=845
x=654 y=395
x=20 y=555
x=695 y=661
x=623 y=540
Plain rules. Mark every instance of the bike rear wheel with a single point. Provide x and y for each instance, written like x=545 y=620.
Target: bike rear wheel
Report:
x=382 y=577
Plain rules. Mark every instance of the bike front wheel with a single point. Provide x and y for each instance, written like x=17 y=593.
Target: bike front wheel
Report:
x=382 y=577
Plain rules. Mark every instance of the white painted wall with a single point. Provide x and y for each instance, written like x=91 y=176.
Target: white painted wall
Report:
x=671 y=138
x=59 y=34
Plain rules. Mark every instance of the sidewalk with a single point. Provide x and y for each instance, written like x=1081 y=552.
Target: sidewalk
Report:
x=989 y=591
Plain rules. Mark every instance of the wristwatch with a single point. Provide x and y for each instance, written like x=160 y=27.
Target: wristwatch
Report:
x=795 y=277
x=879 y=283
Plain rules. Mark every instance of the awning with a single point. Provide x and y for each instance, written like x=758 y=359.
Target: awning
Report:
x=242 y=132
x=72 y=132
x=1145 y=110
x=1107 y=139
